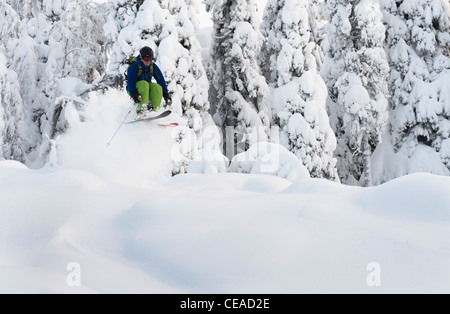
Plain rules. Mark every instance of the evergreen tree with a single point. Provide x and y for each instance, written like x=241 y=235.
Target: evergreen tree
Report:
x=14 y=141
x=9 y=25
x=355 y=70
x=301 y=25
x=317 y=23
x=122 y=15
x=270 y=29
x=418 y=40
x=13 y=138
x=238 y=91
x=50 y=40
x=193 y=11
x=59 y=39
x=300 y=93
x=185 y=71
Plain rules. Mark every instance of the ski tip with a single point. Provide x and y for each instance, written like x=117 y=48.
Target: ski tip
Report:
x=165 y=113
x=168 y=125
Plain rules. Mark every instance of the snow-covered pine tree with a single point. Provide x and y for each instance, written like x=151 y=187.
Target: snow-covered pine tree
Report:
x=72 y=26
x=77 y=44
x=122 y=15
x=184 y=69
x=56 y=39
x=194 y=10
x=270 y=48
x=355 y=70
x=418 y=49
x=300 y=93
x=238 y=90
x=271 y=28
x=14 y=141
x=317 y=22
x=9 y=28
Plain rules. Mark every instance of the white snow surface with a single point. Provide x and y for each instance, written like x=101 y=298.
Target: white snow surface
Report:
x=129 y=227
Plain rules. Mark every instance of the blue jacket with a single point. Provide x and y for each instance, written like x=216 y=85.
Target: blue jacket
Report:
x=146 y=75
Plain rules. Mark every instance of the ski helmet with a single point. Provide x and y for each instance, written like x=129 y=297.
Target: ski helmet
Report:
x=146 y=52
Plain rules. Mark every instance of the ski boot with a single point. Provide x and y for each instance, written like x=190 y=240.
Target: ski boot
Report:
x=141 y=110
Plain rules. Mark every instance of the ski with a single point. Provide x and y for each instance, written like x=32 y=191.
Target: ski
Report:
x=151 y=117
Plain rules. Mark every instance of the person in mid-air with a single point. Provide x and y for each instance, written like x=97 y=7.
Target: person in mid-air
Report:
x=145 y=94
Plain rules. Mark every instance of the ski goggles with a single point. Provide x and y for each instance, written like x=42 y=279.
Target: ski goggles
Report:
x=147 y=58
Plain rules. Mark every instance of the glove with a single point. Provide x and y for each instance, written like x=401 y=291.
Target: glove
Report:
x=136 y=97
x=167 y=98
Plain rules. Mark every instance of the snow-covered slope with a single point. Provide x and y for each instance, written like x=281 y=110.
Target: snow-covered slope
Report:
x=223 y=233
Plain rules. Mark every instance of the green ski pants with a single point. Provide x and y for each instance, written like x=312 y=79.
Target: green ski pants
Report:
x=150 y=92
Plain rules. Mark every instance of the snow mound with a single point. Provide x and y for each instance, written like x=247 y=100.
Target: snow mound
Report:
x=317 y=186
x=229 y=181
x=416 y=197
x=269 y=158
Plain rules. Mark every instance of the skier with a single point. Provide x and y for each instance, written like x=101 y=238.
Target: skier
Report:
x=145 y=94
